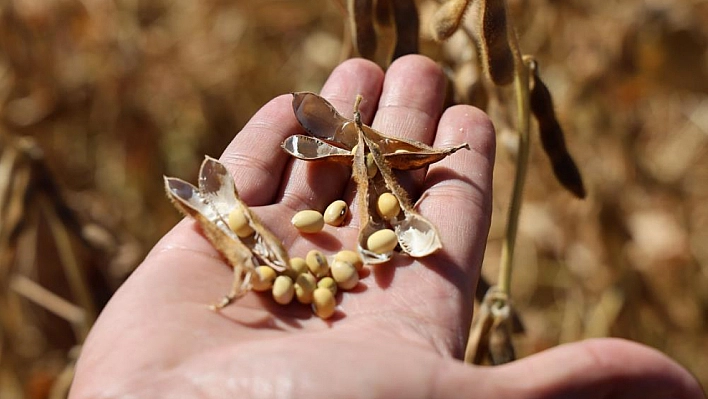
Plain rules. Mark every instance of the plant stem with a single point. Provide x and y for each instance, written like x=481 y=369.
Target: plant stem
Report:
x=521 y=89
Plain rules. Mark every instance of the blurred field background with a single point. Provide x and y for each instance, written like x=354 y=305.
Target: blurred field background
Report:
x=99 y=99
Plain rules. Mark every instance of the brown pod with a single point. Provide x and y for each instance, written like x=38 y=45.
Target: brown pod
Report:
x=447 y=19
x=405 y=15
x=552 y=139
x=495 y=42
x=361 y=19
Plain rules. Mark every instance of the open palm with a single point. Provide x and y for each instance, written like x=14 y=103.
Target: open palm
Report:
x=396 y=335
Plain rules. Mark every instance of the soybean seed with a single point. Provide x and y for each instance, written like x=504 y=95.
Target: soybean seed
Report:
x=317 y=263
x=371 y=167
x=344 y=273
x=304 y=287
x=323 y=303
x=283 y=290
x=308 y=221
x=351 y=257
x=262 y=279
x=239 y=223
x=382 y=241
x=388 y=206
x=335 y=213
x=297 y=267
x=328 y=283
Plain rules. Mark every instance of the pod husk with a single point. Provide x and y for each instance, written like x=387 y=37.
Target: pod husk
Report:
x=210 y=205
x=552 y=140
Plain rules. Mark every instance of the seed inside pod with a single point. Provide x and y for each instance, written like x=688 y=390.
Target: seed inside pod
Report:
x=382 y=241
x=262 y=279
x=328 y=283
x=304 y=287
x=323 y=303
x=344 y=273
x=387 y=206
x=308 y=221
x=335 y=213
x=283 y=290
x=351 y=257
x=317 y=263
x=239 y=223
x=371 y=168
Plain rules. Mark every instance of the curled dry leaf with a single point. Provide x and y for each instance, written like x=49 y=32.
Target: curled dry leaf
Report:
x=338 y=138
x=551 y=134
x=210 y=204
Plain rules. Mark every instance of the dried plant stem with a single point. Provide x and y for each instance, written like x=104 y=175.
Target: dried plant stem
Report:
x=72 y=268
x=50 y=301
x=521 y=89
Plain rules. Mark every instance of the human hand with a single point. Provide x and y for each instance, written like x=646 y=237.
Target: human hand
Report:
x=397 y=335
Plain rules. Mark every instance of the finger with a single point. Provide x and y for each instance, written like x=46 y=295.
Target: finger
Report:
x=412 y=99
x=601 y=368
x=314 y=185
x=410 y=106
x=457 y=199
x=433 y=300
x=254 y=156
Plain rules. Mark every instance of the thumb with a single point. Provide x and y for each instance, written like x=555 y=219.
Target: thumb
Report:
x=598 y=368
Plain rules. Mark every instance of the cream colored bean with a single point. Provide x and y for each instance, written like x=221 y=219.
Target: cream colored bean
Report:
x=382 y=241
x=323 y=303
x=351 y=257
x=329 y=283
x=304 y=287
x=297 y=267
x=344 y=273
x=262 y=279
x=317 y=263
x=308 y=221
x=283 y=290
x=239 y=223
x=387 y=206
x=371 y=168
x=335 y=213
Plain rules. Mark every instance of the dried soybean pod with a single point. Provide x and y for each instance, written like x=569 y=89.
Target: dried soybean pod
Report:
x=361 y=19
x=323 y=303
x=447 y=19
x=305 y=285
x=496 y=50
x=405 y=15
x=317 y=263
x=335 y=213
x=552 y=139
x=283 y=290
x=308 y=221
x=328 y=283
x=382 y=12
x=351 y=257
x=262 y=279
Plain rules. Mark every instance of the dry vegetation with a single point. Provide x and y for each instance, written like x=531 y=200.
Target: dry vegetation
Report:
x=99 y=99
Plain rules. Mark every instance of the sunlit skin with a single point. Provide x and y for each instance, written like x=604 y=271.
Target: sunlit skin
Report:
x=398 y=334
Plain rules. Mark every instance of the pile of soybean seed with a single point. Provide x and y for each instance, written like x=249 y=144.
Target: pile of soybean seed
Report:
x=315 y=280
